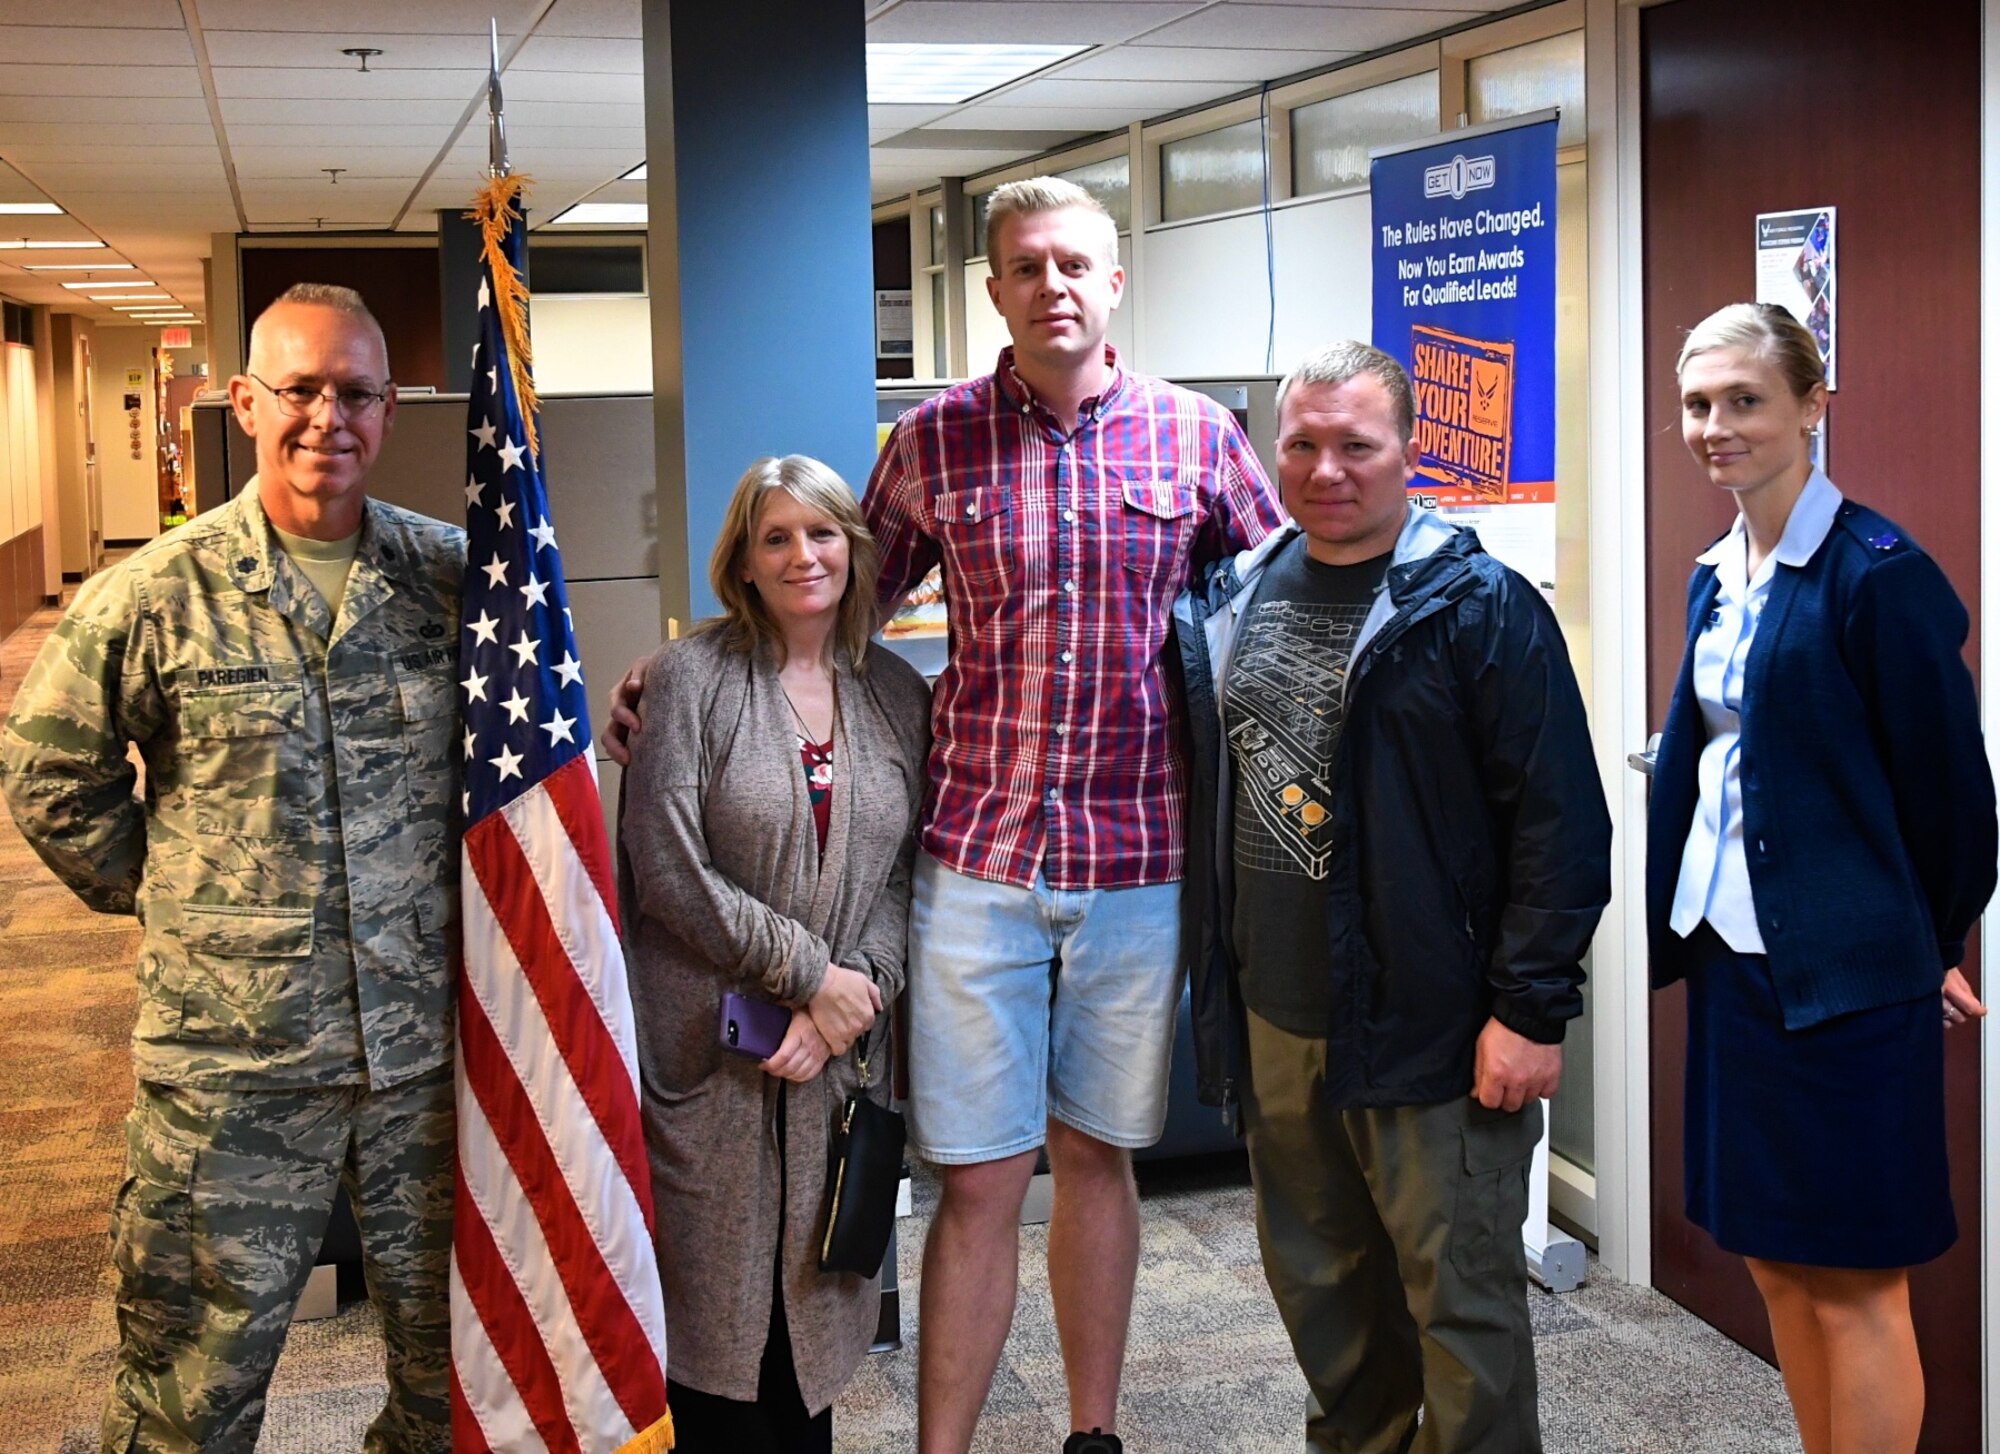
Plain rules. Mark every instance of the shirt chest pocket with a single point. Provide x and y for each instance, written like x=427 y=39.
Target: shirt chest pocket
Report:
x=975 y=531
x=1157 y=514
x=243 y=757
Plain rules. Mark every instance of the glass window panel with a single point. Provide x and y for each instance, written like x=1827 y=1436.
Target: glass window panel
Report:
x=975 y=242
x=1528 y=78
x=1331 y=138
x=1110 y=182
x=937 y=235
x=940 y=334
x=1216 y=171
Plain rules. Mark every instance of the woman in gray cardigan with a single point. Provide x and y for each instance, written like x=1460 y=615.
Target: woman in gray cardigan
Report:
x=765 y=840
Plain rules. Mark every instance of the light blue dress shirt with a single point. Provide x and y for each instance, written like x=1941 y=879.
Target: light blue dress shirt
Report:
x=1715 y=877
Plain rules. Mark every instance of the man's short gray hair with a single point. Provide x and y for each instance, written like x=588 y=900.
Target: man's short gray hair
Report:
x=1044 y=194
x=1349 y=359
x=325 y=295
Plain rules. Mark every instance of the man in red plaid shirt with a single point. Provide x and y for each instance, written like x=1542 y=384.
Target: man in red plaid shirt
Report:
x=1068 y=502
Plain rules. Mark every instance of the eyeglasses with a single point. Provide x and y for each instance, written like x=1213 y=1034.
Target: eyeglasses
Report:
x=299 y=402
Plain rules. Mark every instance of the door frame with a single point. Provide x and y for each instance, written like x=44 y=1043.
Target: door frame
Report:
x=1989 y=678
x=1618 y=617
x=1617 y=469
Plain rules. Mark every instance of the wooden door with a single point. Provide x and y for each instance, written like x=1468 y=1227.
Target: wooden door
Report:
x=1760 y=106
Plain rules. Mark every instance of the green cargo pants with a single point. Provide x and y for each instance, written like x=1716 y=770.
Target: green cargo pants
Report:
x=1392 y=1243
x=226 y=1197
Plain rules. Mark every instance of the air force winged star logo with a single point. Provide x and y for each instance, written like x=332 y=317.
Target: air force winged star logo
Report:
x=1460 y=175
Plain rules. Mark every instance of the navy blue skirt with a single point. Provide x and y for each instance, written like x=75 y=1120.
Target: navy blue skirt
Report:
x=1822 y=1146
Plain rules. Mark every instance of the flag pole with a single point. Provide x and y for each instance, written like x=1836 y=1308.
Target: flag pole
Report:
x=497 y=164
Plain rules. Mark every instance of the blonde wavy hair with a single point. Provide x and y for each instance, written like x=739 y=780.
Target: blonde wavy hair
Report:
x=744 y=621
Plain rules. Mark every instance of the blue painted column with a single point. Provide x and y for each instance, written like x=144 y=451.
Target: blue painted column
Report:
x=759 y=256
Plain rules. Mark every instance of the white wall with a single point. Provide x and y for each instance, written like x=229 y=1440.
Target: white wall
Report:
x=592 y=345
x=20 y=442
x=130 y=486
x=1208 y=294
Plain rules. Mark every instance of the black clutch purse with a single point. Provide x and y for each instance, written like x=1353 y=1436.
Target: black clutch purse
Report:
x=864 y=1170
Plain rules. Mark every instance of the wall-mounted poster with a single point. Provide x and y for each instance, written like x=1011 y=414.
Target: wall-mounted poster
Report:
x=1796 y=270
x=895 y=329
x=1465 y=296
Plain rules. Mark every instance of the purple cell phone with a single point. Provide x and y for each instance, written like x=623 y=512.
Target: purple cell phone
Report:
x=755 y=1028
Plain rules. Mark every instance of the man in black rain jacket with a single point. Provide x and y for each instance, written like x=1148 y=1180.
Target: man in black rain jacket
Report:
x=1397 y=854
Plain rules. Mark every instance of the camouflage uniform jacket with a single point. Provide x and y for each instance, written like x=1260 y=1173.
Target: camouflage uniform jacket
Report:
x=295 y=860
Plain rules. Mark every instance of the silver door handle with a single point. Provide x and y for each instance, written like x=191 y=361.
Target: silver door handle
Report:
x=1642 y=762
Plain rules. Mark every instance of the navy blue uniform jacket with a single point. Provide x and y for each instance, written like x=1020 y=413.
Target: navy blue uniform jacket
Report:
x=1868 y=822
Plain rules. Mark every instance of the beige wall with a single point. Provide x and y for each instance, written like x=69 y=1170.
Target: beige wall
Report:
x=592 y=345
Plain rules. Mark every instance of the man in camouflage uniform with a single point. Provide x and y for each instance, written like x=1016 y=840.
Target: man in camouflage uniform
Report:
x=285 y=667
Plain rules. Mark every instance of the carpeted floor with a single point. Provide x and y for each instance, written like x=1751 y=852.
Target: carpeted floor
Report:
x=1623 y=1371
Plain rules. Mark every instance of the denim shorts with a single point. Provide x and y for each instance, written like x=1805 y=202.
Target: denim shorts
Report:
x=1027 y=1004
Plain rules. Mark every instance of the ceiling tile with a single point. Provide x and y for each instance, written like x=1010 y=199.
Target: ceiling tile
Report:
x=284 y=50
x=1052 y=22
x=1140 y=99
x=114 y=14
x=377 y=115
x=48 y=45
x=521 y=85
x=95 y=81
x=526 y=115
x=101 y=108
x=270 y=163
x=1190 y=63
x=381 y=17
x=27 y=141
x=343 y=84
x=1303 y=27
x=594 y=17
x=579 y=53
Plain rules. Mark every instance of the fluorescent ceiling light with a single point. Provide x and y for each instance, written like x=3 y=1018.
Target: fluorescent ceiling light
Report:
x=637 y=174
x=77 y=267
x=143 y=307
x=600 y=214
x=130 y=298
x=15 y=244
x=914 y=73
x=111 y=283
x=30 y=209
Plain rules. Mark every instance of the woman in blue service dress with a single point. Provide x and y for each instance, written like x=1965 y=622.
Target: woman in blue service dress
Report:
x=1820 y=840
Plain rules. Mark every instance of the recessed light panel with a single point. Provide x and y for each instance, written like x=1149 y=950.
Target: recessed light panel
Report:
x=913 y=73
x=111 y=283
x=30 y=209
x=77 y=267
x=600 y=214
x=14 y=244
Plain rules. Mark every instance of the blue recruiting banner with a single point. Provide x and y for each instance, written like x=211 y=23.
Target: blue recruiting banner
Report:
x=1465 y=296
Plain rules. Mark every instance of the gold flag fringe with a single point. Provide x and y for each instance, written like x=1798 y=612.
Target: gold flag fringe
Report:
x=495 y=209
x=654 y=1440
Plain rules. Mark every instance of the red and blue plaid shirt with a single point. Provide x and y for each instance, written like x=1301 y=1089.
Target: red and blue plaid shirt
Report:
x=1057 y=741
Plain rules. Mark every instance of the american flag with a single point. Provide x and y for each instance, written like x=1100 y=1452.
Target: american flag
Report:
x=557 y=1325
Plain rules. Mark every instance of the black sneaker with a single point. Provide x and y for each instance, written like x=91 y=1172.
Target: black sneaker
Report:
x=1095 y=1442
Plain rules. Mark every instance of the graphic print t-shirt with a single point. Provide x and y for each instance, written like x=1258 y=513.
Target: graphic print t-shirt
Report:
x=1283 y=698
